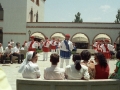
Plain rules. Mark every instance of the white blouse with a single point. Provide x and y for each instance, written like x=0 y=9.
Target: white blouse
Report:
x=54 y=73
x=74 y=74
x=31 y=71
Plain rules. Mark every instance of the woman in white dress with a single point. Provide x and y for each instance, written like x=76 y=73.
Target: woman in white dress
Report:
x=76 y=71
x=29 y=68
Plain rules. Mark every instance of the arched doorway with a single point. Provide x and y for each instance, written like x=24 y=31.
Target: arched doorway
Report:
x=81 y=41
x=59 y=36
x=102 y=37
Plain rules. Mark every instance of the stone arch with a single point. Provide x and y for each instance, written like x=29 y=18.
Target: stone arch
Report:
x=1 y=12
x=81 y=40
x=38 y=36
x=102 y=36
x=58 y=35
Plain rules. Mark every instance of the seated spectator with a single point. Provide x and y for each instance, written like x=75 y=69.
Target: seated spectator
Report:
x=4 y=85
x=22 y=48
x=16 y=52
x=8 y=53
x=116 y=74
x=29 y=68
x=54 y=72
x=101 y=68
x=1 y=52
x=85 y=56
x=76 y=71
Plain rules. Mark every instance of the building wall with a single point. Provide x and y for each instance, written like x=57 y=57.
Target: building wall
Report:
x=36 y=8
x=89 y=29
x=14 y=21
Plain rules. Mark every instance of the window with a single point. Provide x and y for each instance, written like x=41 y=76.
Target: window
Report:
x=32 y=0
x=37 y=2
x=31 y=15
x=1 y=12
x=37 y=17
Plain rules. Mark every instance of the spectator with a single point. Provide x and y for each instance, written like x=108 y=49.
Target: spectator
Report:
x=8 y=53
x=1 y=52
x=116 y=74
x=101 y=68
x=77 y=71
x=12 y=43
x=4 y=85
x=54 y=72
x=85 y=56
x=29 y=68
x=16 y=52
x=22 y=48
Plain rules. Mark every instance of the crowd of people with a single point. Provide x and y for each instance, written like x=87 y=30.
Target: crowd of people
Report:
x=82 y=68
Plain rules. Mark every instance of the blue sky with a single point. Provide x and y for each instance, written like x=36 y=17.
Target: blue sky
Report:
x=91 y=10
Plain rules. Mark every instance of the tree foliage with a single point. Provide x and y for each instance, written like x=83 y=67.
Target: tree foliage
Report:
x=118 y=17
x=77 y=18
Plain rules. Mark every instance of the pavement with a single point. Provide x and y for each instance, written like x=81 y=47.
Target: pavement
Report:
x=12 y=74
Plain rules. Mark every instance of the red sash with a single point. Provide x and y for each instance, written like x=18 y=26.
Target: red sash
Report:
x=30 y=47
x=45 y=49
x=53 y=46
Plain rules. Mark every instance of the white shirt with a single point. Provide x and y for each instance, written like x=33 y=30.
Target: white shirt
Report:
x=54 y=73
x=7 y=50
x=22 y=48
x=74 y=74
x=31 y=71
x=1 y=49
x=53 y=44
x=16 y=50
x=111 y=47
x=63 y=46
x=103 y=48
x=47 y=44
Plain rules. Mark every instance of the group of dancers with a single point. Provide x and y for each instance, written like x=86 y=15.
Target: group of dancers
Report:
x=104 y=47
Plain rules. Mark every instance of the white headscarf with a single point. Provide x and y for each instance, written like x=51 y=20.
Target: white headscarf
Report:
x=28 y=58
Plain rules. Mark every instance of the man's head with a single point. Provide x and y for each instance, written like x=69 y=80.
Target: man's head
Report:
x=54 y=58
x=46 y=38
x=18 y=44
x=9 y=46
x=32 y=38
x=67 y=36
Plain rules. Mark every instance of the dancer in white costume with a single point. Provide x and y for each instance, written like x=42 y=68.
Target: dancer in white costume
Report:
x=65 y=50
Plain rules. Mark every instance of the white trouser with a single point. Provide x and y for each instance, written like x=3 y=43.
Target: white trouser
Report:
x=45 y=55
x=58 y=51
x=108 y=61
x=62 y=62
x=53 y=50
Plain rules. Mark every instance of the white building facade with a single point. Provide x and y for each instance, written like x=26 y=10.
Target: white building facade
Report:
x=15 y=14
x=21 y=18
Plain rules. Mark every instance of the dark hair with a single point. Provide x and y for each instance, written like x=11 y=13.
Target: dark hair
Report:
x=23 y=45
x=118 y=54
x=34 y=53
x=17 y=43
x=54 y=58
x=76 y=59
x=85 y=55
x=101 y=59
